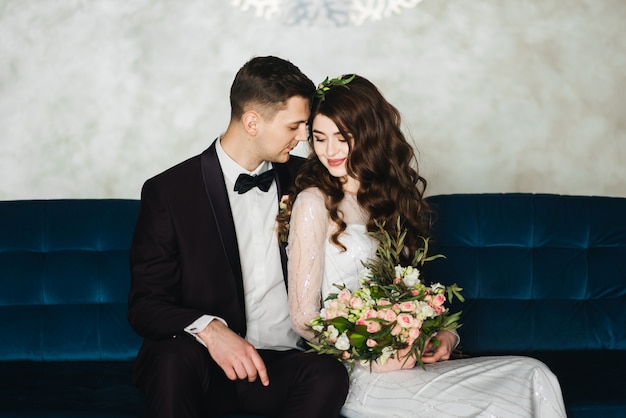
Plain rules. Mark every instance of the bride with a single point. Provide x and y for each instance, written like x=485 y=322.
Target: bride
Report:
x=362 y=169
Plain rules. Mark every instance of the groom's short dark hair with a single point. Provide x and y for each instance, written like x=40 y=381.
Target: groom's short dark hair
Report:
x=267 y=82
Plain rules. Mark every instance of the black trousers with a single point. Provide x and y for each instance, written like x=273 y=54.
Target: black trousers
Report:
x=180 y=380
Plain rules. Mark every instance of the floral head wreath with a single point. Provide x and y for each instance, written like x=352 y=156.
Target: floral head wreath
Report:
x=327 y=84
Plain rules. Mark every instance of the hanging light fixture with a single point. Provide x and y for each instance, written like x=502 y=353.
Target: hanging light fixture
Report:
x=324 y=12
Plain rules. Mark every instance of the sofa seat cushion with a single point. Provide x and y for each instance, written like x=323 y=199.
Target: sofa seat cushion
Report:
x=68 y=389
x=73 y=389
x=593 y=382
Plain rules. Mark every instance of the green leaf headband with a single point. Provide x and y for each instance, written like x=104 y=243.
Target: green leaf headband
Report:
x=328 y=84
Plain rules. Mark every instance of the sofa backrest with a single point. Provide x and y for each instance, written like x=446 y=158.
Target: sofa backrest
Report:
x=540 y=272
x=64 y=279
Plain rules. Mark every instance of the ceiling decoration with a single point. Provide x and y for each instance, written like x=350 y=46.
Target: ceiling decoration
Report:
x=324 y=12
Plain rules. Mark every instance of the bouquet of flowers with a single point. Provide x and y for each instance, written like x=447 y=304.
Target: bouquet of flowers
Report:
x=391 y=310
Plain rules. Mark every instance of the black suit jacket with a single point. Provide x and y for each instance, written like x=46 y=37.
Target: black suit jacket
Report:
x=184 y=257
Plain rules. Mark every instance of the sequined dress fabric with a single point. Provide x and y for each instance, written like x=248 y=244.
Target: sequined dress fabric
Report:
x=503 y=386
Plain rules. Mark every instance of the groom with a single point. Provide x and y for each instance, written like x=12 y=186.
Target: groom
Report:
x=208 y=291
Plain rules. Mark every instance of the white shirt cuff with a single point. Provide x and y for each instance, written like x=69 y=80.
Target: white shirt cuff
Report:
x=200 y=324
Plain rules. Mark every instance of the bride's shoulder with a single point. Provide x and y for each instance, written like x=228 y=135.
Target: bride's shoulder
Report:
x=309 y=204
x=312 y=193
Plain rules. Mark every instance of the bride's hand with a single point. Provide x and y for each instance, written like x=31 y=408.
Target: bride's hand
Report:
x=447 y=341
x=401 y=360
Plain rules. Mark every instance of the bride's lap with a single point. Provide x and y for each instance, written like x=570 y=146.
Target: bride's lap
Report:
x=480 y=386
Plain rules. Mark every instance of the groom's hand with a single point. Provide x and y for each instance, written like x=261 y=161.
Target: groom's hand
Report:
x=236 y=356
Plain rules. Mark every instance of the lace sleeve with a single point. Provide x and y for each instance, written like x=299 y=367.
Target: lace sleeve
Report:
x=307 y=237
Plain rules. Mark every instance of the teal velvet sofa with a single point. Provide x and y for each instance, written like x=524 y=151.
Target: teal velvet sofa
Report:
x=543 y=276
x=66 y=349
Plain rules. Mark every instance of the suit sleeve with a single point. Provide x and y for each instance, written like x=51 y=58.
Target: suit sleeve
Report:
x=154 y=304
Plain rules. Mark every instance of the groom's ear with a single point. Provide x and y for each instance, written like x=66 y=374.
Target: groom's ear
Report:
x=251 y=121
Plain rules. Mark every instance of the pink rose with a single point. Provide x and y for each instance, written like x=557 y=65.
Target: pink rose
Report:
x=405 y=320
x=414 y=333
x=396 y=330
x=389 y=315
x=373 y=326
x=344 y=296
x=439 y=299
x=407 y=307
x=330 y=314
x=370 y=313
x=371 y=343
x=333 y=304
x=380 y=314
x=356 y=303
x=383 y=302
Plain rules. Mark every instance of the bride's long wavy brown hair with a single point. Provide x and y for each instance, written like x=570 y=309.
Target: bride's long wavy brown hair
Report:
x=380 y=158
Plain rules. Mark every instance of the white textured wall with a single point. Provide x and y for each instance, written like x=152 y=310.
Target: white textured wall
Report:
x=523 y=96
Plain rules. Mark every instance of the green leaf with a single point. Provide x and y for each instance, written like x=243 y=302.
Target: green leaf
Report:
x=327 y=84
x=342 y=324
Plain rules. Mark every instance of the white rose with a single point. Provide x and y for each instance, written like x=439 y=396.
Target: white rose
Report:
x=333 y=333
x=411 y=276
x=318 y=328
x=427 y=310
x=399 y=271
x=343 y=342
x=437 y=287
x=385 y=355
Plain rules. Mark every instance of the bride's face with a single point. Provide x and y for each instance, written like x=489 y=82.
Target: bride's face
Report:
x=330 y=146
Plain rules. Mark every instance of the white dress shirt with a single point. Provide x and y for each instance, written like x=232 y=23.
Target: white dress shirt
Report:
x=265 y=292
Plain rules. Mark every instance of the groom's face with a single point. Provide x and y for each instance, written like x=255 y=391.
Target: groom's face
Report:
x=279 y=135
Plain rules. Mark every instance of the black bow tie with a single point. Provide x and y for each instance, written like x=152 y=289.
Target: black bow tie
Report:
x=246 y=182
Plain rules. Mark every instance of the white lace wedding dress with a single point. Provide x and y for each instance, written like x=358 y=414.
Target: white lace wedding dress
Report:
x=505 y=386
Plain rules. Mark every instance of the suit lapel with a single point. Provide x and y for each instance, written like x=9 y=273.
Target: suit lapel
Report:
x=220 y=205
x=285 y=175
x=283 y=180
